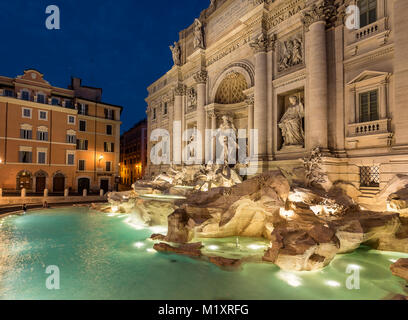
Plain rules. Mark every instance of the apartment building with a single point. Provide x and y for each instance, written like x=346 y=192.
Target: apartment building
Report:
x=133 y=153
x=55 y=138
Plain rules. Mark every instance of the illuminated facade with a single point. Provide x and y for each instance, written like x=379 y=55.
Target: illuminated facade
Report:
x=56 y=139
x=294 y=71
x=133 y=154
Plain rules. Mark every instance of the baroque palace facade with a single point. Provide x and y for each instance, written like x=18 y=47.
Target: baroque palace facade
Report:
x=56 y=139
x=294 y=71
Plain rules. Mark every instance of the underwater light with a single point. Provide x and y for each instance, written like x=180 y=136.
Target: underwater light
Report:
x=393 y=260
x=256 y=247
x=332 y=283
x=150 y=250
x=291 y=279
x=139 y=245
x=213 y=247
x=115 y=209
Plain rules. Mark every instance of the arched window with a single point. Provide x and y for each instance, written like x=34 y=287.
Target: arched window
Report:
x=231 y=89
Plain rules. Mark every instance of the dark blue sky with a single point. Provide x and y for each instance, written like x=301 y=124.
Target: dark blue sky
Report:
x=121 y=46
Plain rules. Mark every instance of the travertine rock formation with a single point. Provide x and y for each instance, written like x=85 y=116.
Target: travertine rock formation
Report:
x=307 y=227
x=400 y=269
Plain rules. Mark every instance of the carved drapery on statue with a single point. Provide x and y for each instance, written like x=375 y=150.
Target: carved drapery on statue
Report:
x=227 y=137
x=176 y=53
x=198 y=35
x=291 y=124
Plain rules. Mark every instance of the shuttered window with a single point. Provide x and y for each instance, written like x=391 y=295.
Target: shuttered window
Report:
x=41 y=157
x=81 y=165
x=26 y=134
x=109 y=147
x=42 y=136
x=368 y=12
x=369 y=106
x=82 y=144
x=25 y=157
x=71 y=159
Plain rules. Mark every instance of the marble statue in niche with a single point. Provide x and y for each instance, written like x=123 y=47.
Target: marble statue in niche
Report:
x=198 y=35
x=228 y=133
x=291 y=124
x=176 y=52
x=291 y=53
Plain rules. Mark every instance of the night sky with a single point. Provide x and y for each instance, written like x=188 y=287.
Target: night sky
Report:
x=121 y=46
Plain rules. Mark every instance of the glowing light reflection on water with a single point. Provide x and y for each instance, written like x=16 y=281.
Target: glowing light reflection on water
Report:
x=101 y=257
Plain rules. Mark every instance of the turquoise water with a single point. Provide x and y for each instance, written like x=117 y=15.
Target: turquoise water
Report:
x=103 y=257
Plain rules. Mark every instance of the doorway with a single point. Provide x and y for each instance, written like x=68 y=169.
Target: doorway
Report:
x=59 y=182
x=39 y=184
x=83 y=184
x=105 y=185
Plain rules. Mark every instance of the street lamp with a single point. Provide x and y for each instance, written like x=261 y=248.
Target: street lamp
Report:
x=1 y=161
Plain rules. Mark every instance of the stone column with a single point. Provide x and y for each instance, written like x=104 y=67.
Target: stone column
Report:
x=260 y=96
x=177 y=128
x=383 y=101
x=213 y=127
x=270 y=63
x=352 y=110
x=201 y=79
x=314 y=21
x=400 y=27
x=250 y=102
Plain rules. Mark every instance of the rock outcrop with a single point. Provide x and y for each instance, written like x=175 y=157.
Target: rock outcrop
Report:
x=307 y=227
x=225 y=263
x=190 y=249
x=400 y=269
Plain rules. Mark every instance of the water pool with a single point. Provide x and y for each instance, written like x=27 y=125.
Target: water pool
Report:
x=103 y=257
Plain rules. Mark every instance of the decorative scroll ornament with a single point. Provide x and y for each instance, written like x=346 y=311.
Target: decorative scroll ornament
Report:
x=201 y=77
x=324 y=10
x=176 y=52
x=198 y=35
x=290 y=53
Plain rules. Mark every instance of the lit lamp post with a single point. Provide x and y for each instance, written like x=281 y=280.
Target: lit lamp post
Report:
x=100 y=159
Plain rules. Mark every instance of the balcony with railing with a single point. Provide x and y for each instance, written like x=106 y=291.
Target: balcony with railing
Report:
x=368 y=128
x=377 y=28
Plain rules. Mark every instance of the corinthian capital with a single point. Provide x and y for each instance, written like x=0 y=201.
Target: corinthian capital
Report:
x=201 y=77
x=323 y=10
x=259 y=44
x=180 y=90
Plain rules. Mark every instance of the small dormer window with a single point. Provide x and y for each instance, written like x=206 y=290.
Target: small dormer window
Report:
x=40 y=98
x=55 y=101
x=25 y=95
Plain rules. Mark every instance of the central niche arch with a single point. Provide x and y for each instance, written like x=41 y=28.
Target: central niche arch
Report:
x=229 y=86
x=231 y=89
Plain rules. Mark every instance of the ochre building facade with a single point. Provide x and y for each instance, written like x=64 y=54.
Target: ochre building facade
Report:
x=56 y=139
